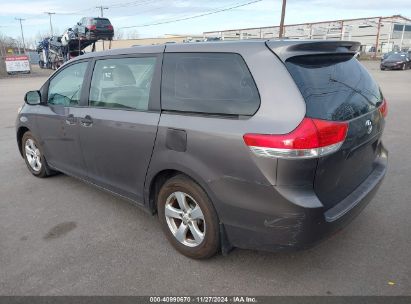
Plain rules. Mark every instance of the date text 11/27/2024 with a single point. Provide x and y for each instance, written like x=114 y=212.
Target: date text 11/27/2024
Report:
x=176 y=299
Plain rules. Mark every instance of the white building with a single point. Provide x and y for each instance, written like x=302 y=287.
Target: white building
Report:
x=389 y=33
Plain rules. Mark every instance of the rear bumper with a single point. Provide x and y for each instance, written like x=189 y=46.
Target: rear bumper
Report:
x=292 y=218
x=100 y=35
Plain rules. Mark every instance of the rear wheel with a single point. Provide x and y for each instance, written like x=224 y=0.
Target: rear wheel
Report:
x=33 y=155
x=188 y=218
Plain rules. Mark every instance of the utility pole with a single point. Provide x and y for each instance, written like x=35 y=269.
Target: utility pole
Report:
x=377 y=41
x=22 y=35
x=102 y=8
x=51 y=25
x=402 y=36
x=280 y=35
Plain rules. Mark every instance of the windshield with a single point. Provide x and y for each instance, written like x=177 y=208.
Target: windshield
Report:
x=399 y=57
x=335 y=87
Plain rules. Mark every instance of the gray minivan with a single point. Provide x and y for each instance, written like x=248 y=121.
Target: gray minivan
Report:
x=268 y=145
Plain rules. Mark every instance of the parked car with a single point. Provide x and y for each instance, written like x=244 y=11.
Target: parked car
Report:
x=94 y=28
x=261 y=145
x=396 y=61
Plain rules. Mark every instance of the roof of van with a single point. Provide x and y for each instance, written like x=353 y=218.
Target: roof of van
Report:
x=277 y=45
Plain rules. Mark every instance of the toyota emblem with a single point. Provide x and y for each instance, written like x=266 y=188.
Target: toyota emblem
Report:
x=368 y=125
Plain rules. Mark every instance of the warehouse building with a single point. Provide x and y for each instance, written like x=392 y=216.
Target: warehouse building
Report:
x=387 y=33
x=125 y=43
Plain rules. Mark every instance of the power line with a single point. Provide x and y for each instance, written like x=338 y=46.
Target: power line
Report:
x=102 y=8
x=132 y=3
x=195 y=16
x=117 y=5
x=172 y=18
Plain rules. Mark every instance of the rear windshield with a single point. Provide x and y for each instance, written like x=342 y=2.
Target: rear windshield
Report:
x=100 y=21
x=335 y=87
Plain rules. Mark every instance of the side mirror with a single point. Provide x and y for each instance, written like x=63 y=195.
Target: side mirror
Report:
x=78 y=23
x=32 y=98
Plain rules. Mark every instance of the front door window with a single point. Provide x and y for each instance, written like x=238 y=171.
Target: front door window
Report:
x=65 y=87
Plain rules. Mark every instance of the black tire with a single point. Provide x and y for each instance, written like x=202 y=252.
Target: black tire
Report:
x=43 y=171
x=210 y=243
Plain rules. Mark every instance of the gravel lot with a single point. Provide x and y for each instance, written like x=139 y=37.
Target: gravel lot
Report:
x=59 y=236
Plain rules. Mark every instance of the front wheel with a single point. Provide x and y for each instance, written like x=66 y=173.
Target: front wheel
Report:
x=33 y=155
x=188 y=218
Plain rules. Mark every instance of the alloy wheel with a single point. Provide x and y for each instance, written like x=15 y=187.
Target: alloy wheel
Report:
x=33 y=155
x=185 y=219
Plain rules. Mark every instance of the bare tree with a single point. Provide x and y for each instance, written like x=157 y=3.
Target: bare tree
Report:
x=41 y=35
x=133 y=34
x=7 y=42
x=30 y=43
x=2 y=45
x=118 y=34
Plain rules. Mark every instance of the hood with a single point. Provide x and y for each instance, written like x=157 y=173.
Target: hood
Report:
x=393 y=61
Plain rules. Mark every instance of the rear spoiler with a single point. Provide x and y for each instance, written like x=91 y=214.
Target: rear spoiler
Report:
x=285 y=49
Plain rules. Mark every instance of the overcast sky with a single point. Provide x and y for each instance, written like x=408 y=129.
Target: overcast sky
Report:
x=124 y=13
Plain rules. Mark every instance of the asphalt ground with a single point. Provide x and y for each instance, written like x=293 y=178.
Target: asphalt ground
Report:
x=59 y=236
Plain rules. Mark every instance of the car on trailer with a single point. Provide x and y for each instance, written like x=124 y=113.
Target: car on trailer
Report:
x=94 y=28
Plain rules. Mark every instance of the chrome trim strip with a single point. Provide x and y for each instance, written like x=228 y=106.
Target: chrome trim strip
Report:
x=295 y=153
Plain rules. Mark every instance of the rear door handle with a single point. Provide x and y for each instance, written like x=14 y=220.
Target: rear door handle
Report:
x=87 y=121
x=71 y=120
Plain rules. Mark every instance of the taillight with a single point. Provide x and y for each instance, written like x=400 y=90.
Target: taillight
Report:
x=91 y=27
x=312 y=138
x=383 y=108
x=110 y=27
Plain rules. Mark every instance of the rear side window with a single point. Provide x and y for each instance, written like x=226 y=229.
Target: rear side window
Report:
x=214 y=83
x=335 y=87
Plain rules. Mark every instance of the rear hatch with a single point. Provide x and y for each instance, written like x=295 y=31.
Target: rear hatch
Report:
x=103 y=25
x=336 y=87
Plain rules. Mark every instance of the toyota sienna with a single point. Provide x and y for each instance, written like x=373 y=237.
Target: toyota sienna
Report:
x=268 y=145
